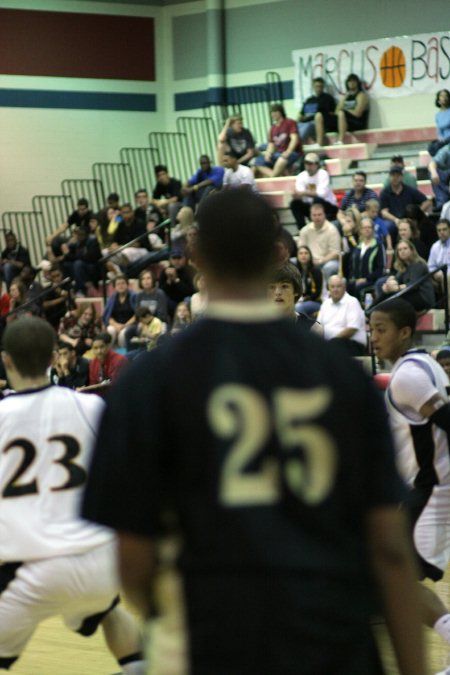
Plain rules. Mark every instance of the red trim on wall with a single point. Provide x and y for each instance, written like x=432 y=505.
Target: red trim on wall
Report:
x=60 y=44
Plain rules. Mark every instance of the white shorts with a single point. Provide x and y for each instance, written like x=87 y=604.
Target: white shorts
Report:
x=75 y=587
x=132 y=253
x=432 y=529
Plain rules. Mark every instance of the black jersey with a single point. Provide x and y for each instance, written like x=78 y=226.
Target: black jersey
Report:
x=268 y=444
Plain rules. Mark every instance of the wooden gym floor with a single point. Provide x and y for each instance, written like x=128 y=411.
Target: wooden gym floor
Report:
x=54 y=650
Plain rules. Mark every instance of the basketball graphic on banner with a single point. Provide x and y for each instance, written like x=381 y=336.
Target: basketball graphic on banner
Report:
x=393 y=67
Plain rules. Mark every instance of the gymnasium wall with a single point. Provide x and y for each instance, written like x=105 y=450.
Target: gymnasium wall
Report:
x=78 y=81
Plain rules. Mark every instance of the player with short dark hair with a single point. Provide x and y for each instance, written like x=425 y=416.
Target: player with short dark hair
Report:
x=53 y=562
x=266 y=454
x=419 y=413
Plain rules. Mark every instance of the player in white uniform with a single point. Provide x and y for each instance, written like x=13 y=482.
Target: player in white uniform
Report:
x=419 y=412
x=53 y=562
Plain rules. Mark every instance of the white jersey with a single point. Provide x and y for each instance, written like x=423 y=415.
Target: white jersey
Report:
x=46 y=440
x=422 y=448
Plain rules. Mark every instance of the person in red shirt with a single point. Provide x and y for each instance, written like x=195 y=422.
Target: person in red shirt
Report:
x=284 y=146
x=106 y=364
x=4 y=301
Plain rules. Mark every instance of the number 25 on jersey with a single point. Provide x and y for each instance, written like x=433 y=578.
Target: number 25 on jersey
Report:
x=240 y=415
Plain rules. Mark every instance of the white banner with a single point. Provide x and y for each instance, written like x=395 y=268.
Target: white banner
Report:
x=389 y=67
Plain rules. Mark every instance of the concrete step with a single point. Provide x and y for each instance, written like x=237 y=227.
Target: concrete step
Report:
x=399 y=135
x=352 y=152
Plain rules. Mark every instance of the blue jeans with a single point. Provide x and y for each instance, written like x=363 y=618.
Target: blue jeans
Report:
x=307 y=130
x=260 y=160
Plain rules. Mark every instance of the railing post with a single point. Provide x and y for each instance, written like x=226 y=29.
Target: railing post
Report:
x=446 y=313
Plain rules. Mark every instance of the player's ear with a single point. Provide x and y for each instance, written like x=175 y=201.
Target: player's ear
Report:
x=406 y=333
x=7 y=360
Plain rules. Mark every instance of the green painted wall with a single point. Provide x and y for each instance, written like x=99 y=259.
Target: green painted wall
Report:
x=189 y=46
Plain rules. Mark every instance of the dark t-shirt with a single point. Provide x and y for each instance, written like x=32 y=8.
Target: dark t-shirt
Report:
x=172 y=189
x=240 y=142
x=397 y=203
x=80 y=220
x=126 y=233
x=77 y=377
x=324 y=103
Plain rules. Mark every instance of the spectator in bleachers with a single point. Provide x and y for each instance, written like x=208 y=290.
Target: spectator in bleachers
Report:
x=236 y=138
x=4 y=301
x=79 y=328
x=182 y=317
x=439 y=169
x=145 y=211
x=312 y=186
x=408 y=178
x=119 y=310
x=284 y=289
x=81 y=216
x=443 y=358
x=357 y=196
x=440 y=252
x=312 y=283
x=17 y=298
x=13 y=258
x=424 y=223
x=128 y=229
x=351 y=223
x=106 y=364
x=381 y=226
x=352 y=110
x=112 y=202
x=166 y=195
x=144 y=333
x=199 y=300
x=150 y=296
x=343 y=319
x=314 y=118
x=204 y=181
x=81 y=253
x=283 y=148
x=176 y=280
x=395 y=199
x=58 y=300
x=366 y=261
x=407 y=229
x=236 y=174
x=70 y=370
x=410 y=267
x=442 y=121
x=323 y=239
x=33 y=288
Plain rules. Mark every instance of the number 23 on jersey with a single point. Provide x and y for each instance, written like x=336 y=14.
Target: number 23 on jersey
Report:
x=242 y=416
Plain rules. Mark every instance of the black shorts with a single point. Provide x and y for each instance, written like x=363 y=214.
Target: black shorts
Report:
x=354 y=123
x=243 y=625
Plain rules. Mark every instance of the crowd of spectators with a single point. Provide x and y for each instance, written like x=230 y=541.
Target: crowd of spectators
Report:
x=360 y=249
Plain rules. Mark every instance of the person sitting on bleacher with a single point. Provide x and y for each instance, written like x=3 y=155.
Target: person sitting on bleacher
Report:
x=13 y=258
x=410 y=267
x=408 y=177
x=395 y=199
x=312 y=186
x=119 y=310
x=207 y=179
x=128 y=229
x=323 y=239
x=81 y=253
x=79 y=327
x=176 y=280
x=314 y=118
x=150 y=296
x=352 y=110
x=343 y=319
x=58 y=300
x=442 y=102
x=166 y=196
x=312 y=283
x=440 y=252
x=382 y=233
x=283 y=148
x=236 y=138
x=366 y=262
x=357 y=196
x=439 y=169
x=236 y=175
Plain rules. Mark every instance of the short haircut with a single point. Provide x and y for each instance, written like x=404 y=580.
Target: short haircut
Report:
x=397 y=159
x=113 y=197
x=30 y=342
x=119 y=277
x=229 y=222
x=82 y=202
x=319 y=79
x=400 y=312
x=102 y=337
x=277 y=107
x=318 y=205
x=159 y=168
x=138 y=192
x=443 y=354
x=444 y=221
x=360 y=172
x=142 y=311
x=288 y=273
x=373 y=202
